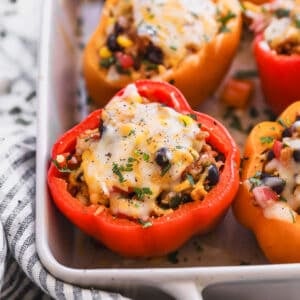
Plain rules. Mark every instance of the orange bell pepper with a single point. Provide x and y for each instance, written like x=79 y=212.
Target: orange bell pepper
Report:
x=278 y=239
x=166 y=233
x=197 y=75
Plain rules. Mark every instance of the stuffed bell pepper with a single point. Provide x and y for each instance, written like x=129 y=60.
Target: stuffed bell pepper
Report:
x=268 y=201
x=146 y=172
x=187 y=43
x=277 y=50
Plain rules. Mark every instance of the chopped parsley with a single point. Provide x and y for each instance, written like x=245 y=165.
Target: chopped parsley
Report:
x=146 y=156
x=255 y=180
x=107 y=62
x=297 y=21
x=193 y=116
x=282 y=12
x=190 y=179
x=145 y=224
x=165 y=169
x=141 y=192
x=266 y=139
x=283 y=199
x=117 y=170
x=131 y=132
x=282 y=123
x=224 y=20
x=60 y=168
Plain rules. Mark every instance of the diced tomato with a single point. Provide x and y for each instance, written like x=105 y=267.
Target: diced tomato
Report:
x=125 y=60
x=237 y=92
x=277 y=147
x=264 y=196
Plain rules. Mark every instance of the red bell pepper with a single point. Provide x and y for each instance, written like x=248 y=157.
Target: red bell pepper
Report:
x=279 y=75
x=168 y=232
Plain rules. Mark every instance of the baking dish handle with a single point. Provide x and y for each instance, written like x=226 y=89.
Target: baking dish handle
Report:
x=183 y=290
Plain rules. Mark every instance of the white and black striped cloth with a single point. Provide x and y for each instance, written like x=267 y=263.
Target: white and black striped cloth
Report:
x=22 y=276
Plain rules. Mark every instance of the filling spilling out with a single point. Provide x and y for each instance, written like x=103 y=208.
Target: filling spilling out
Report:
x=276 y=189
x=280 y=21
x=144 y=160
x=145 y=38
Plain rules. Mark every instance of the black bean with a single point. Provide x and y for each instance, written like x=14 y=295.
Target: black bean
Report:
x=296 y=155
x=276 y=183
x=220 y=157
x=287 y=132
x=112 y=43
x=118 y=29
x=137 y=64
x=175 y=201
x=161 y=157
x=154 y=54
x=185 y=198
x=270 y=155
x=101 y=128
x=213 y=175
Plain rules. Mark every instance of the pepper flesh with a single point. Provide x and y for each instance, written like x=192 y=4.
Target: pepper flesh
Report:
x=167 y=233
x=279 y=75
x=206 y=68
x=279 y=240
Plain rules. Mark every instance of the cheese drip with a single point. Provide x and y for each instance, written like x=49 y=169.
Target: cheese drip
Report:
x=123 y=160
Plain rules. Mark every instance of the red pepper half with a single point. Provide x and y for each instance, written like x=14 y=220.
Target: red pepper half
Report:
x=166 y=233
x=279 y=75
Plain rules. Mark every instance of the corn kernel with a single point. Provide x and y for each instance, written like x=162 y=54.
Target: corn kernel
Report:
x=124 y=41
x=161 y=69
x=126 y=129
x=182 y=186
x=186 y=120
x=104 y=52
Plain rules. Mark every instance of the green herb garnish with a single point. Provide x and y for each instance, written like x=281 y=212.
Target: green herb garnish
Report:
x=224 y=20
x=145 y=224
x=107 y=62
x=190 y=179
x=131 y=132
x=193 y=116
x=282 y=123
x=282 y=12
x=116 y=170
x=60 y=168
x=165 y=169
x=281 y=198
x=297 y=21
x=146 y=156
x=266 y=139
x=141 y=192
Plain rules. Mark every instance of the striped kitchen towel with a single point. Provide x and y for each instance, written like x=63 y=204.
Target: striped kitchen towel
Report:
x=22 y=276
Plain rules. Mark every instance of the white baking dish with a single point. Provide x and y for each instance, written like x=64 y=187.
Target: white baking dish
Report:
x=228 y=254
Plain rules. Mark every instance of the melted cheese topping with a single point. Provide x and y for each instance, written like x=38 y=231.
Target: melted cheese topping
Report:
x=124 y=158
x=176 y=25
x=283 y=30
